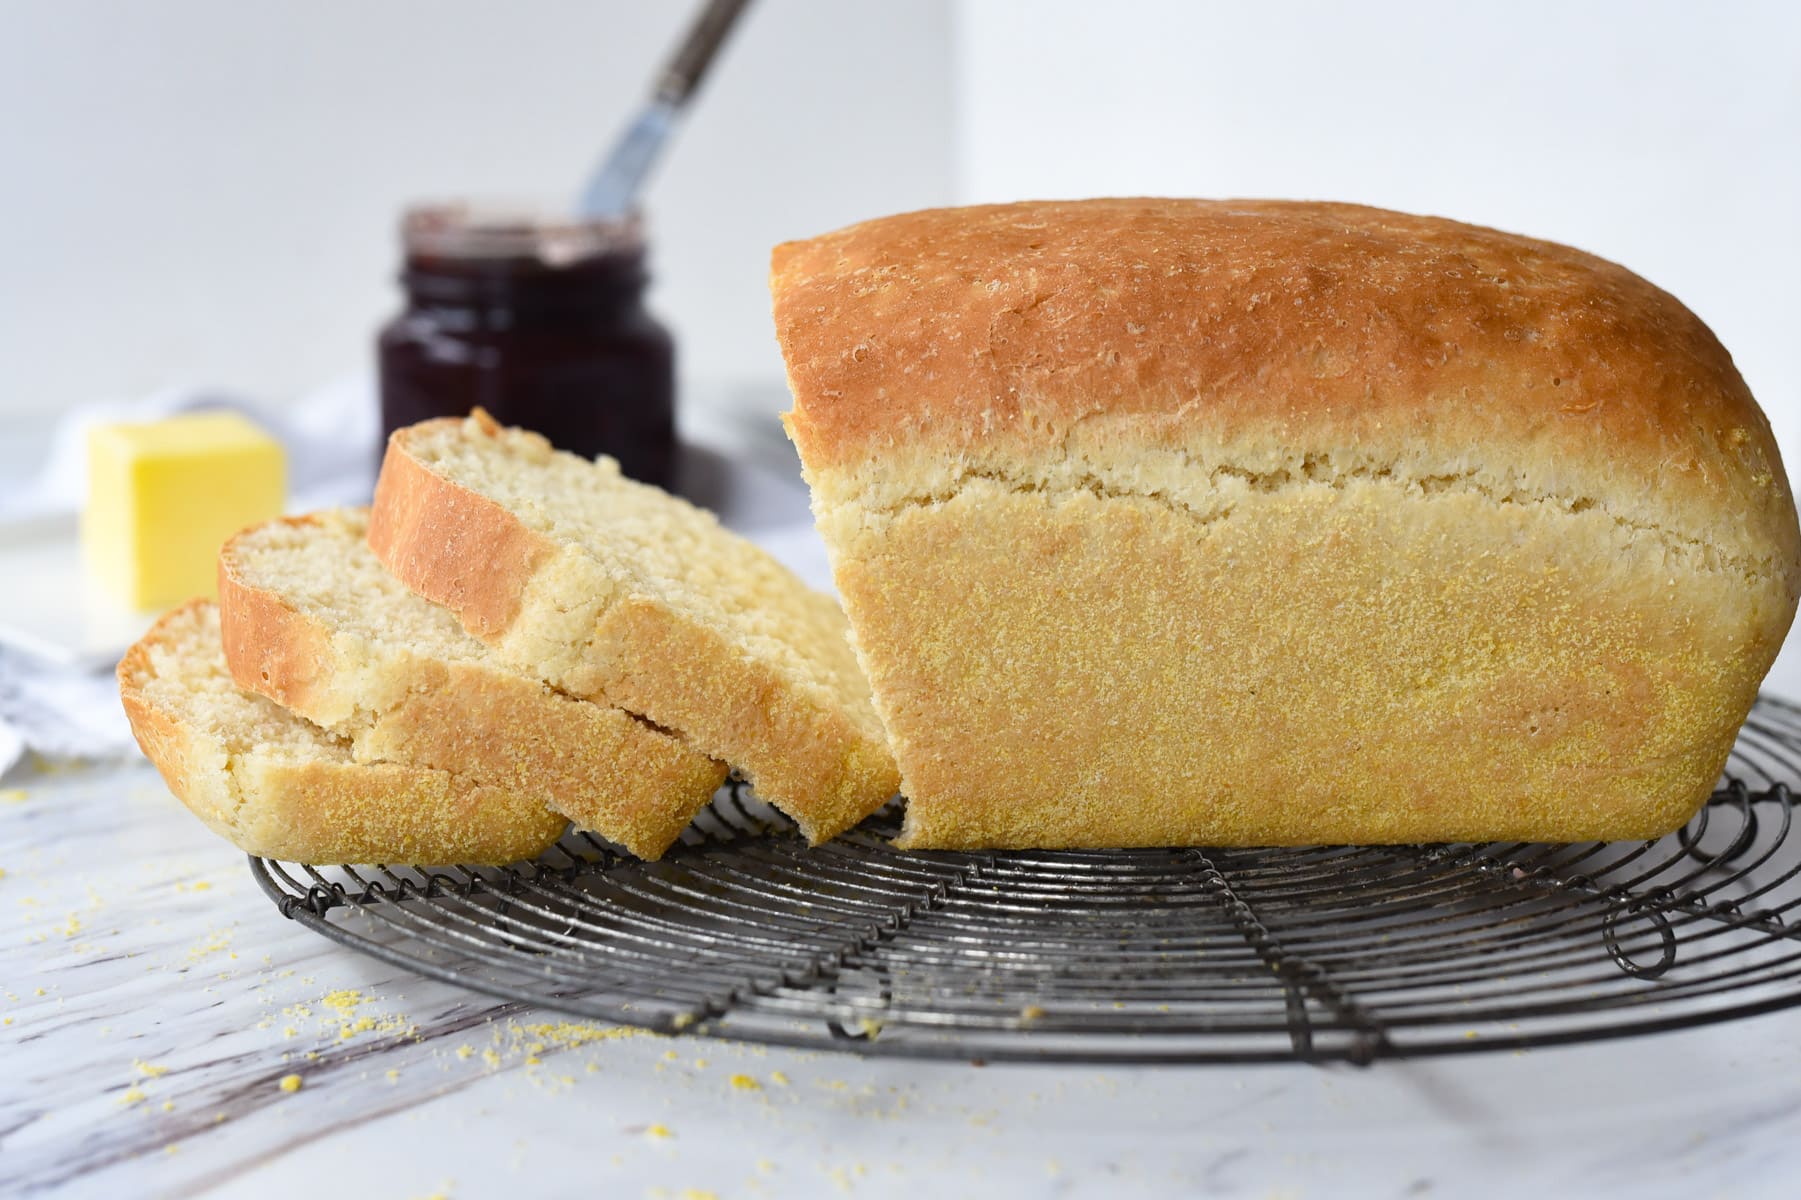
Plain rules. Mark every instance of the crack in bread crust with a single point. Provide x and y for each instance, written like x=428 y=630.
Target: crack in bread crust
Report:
x=1315 y=469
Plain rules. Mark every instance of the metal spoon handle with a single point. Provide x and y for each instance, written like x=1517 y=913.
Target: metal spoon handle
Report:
x=613 y=189
x=684 y=72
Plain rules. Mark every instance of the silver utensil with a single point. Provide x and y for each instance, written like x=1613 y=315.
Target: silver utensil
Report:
x=613 y=189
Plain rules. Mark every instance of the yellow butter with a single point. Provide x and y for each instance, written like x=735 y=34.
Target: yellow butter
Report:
x=163 y=495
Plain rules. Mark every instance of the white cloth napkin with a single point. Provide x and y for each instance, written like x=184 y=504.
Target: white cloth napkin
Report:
x=330 y=437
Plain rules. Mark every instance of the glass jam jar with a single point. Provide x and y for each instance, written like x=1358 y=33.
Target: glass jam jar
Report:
x=542 y=323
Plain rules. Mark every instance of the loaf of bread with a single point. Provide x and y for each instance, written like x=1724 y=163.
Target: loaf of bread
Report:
x=311 y=620
x=278 y=786
x=611 y=589
x=1163 y=522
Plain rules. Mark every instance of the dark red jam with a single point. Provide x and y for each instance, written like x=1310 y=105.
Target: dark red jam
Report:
x=541 y=323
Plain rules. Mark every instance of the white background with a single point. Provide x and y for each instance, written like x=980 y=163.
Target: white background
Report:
x=203 y=191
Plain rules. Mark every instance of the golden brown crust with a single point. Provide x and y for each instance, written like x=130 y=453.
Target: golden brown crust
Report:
x=269 y=648
x=272 y=803
x=1215 y=328
x=451 y=545
x=1166 y=522
x=597 y=765
x=799 y=752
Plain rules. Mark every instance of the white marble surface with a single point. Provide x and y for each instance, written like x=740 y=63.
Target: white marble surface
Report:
x=153 y=999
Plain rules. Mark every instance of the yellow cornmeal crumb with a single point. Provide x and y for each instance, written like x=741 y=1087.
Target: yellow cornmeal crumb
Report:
x=779 y=1078
x=746 y=1083
x=148 y=1070
x=168 y=1106
x=343 y=1001
x=465 y=1050
x=2 y=872
x=393 y=1076
x=1030 y=1012
x=700 y=1064
x=532 y=1060
x=289 y=1031
x=13 y=795
x=214 y=942
x=133 y=1095
x=670 y=1056
x=289 y=1083
x=491 y=1058
x=567 y=1035
x=659 y=1130
x=72 y=926
x=698 y=1194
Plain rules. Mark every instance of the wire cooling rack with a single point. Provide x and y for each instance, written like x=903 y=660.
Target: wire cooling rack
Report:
x=1328 y=953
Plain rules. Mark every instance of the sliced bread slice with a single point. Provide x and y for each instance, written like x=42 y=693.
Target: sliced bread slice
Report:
x=313 y=621
x=275 y=785
x=609 y=588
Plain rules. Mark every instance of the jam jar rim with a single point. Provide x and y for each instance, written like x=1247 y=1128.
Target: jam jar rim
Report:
x=471 y=230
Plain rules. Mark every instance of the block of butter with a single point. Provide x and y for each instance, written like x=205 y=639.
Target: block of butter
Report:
x=163 y=495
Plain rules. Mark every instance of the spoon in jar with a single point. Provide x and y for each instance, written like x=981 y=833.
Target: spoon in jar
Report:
x=613 y=189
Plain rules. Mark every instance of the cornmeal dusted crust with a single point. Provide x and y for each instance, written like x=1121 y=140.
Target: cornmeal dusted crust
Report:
x=276 y=786
x=462 y=710
x=1236 y=522
x=556 y=598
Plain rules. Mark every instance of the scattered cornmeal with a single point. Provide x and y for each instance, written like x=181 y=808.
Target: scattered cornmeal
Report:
x=659 y=1130
x=746 y=1083
x=290 y=1083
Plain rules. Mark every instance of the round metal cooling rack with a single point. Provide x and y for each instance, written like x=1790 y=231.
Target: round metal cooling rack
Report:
x=1326 y=953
